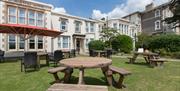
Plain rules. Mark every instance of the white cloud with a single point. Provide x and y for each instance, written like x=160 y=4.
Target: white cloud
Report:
x=128 y=7
x=59 y=10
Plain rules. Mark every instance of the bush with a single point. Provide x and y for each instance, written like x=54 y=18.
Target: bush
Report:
x=123 y=43
x=168 y=42
x=96 y=45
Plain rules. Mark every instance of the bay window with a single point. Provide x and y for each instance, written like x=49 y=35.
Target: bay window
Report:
x=40 y=19
x=32 y=43
x=31 y=17
x=12 y=15
x=22 y=16
x=40 y=42
x=21 y=43
x=12 y=41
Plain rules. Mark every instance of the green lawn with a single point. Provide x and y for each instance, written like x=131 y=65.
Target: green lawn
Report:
x=143 y=78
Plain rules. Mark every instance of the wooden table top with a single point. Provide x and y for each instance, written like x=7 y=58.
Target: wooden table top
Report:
x=86 y=62
x=146 y=53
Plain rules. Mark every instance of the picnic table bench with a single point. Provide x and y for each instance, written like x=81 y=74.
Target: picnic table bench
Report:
x=157 y=62
x=74 y=87
x=122 y=73
x=66 y=70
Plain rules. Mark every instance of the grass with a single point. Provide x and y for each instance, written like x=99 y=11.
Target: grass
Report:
x=143 y=77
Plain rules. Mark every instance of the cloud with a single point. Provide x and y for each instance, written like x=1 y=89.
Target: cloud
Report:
x=125 y=8
x=59 y=10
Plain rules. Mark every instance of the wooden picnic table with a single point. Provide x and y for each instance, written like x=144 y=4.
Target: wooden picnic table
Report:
x=99 y=52
x=83 y=63
x=145 y=54
x=67 y=53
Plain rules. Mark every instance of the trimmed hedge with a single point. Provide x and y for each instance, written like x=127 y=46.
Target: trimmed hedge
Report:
x=167 y=42
x=96 y=45
x=122 y=43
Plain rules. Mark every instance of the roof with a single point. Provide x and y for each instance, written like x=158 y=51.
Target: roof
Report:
x=76 y=17
x=137 y=12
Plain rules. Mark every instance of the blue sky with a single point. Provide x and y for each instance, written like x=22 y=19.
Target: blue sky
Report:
x=100 y=8
x=84 y=8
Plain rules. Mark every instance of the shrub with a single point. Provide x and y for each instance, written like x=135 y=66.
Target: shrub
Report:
x=96 y=45
x=123 y=43
x=168 y=42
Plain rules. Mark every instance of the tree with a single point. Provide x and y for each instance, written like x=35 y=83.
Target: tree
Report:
x=123 y=43
x=107 y=34
x=174 y=6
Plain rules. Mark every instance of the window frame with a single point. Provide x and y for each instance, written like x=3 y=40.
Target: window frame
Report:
x=30 y=18
x=39 y=19
x=9 y=15
x=14 y=41
x=157 y=13
x=157 y=28
x=20 y=17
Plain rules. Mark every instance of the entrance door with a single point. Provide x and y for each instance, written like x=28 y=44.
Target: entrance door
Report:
x=78 y=45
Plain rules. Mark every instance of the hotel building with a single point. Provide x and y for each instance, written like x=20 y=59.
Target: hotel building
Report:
x=77 y=31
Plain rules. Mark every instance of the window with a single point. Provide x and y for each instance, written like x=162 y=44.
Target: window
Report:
x=12 y=41
x=87 y=41
x=65 y=42
x=31 y=18
x=92 y=27
x=157 y=25
x=22 y=16
x=87 y=27
x=21 y=43
x=59 y=42
x=40 y=20
x=77 y=27
x=40 y=42
x=32 y=43
x=157 y=13
x=63 y=25
x=115 y=25
x=12 y=15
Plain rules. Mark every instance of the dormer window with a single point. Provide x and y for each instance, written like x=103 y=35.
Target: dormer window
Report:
x=157 y=13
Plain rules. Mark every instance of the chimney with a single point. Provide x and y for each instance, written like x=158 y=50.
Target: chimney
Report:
x=149 y=6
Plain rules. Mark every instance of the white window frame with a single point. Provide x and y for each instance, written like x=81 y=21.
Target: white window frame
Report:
x=92 y=27
x=87 y=27
x=61 y=42
x=21 y=16
x=156 y=26
x=32 y=18
x=39 y=19
x=66 y=26
x=157 y=13
x=12 y=15
x=38 y=37
x=14 y=41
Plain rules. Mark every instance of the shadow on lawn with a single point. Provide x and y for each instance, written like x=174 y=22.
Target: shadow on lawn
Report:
x=139 y=63
x=89 y=80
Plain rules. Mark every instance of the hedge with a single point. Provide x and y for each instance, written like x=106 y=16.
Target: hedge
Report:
x=96 y=45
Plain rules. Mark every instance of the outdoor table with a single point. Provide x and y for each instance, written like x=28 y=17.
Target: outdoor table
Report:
x=99 y=52
x=67 y=52
x=82 y=63
x=149 y=54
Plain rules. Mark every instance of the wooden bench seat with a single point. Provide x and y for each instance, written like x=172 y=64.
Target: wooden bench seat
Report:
x=122 y=73
x=67 y=71
x=74 y=87
x=157 y=62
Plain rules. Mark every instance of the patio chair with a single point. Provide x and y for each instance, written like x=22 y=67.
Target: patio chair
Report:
x=1 y=56
x=29 y=61
x=55 y=58
x=73 y=53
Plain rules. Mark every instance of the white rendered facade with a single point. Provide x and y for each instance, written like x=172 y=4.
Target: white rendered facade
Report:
x=77 y=31
x=124 y=27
